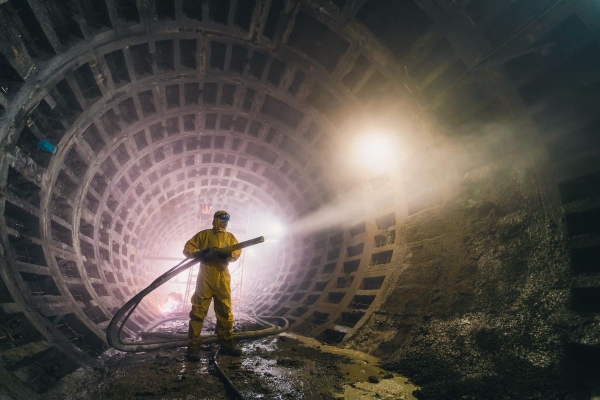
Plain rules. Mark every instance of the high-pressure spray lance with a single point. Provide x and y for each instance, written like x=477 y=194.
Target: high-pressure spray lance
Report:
x=208 y=253
x=113 y=332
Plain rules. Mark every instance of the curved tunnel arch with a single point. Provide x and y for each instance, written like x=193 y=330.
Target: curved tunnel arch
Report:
x=482 y=213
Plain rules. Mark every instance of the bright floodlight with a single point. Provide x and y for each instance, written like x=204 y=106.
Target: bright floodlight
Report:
x=375 y=151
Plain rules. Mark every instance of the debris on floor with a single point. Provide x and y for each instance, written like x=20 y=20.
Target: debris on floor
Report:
x=278 y=367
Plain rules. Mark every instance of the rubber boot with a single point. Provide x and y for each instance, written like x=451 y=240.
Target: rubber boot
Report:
x=230 y=349
x=193 y=352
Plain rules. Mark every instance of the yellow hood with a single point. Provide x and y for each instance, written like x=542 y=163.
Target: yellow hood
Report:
x=215 y=223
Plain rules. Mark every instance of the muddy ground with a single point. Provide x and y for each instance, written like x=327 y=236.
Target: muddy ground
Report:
x=276 y=367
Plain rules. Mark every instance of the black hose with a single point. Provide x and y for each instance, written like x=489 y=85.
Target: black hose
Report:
x=115 y=327
x=224 y=376
x=113 y=332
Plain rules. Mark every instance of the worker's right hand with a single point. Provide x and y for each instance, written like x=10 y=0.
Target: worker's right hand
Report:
x=202 y=255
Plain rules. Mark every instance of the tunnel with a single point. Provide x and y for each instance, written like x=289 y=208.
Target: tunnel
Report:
x=435 y=164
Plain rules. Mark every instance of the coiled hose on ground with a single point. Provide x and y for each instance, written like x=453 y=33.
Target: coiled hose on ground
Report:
x=171 y=340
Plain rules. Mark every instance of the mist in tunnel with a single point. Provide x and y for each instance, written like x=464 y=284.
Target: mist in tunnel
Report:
x=425 y=174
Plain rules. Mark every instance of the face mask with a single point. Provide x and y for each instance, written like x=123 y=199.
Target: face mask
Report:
x=223 y=223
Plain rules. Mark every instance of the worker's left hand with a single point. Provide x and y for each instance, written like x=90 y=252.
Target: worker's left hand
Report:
x=224 y=256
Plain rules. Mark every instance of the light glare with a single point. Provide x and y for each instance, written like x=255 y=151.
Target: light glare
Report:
x=266 y=225
x=375 y=152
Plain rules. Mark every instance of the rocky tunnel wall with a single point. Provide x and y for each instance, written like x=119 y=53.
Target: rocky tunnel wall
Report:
x=478 y=262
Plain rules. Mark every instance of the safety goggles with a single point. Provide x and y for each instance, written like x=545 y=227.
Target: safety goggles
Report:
x=224 y=216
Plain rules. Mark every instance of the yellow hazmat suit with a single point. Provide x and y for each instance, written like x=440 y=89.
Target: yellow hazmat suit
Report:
x=213 y=281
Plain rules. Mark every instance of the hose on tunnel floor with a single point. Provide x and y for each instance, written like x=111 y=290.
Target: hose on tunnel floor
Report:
x=225 y=377
x=148 y=333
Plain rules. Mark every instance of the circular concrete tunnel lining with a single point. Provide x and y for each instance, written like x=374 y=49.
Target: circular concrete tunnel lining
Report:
x=157 y=109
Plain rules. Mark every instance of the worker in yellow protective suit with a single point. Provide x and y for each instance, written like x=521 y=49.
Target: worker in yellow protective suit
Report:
x=213 y=281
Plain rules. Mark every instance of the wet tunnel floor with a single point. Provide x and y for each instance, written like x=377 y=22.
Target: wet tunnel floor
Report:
x=278 y=367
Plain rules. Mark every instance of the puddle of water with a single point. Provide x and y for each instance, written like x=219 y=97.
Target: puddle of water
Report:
x=358 y=372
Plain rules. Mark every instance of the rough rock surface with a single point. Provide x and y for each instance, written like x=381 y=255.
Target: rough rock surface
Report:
x=481 y=307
